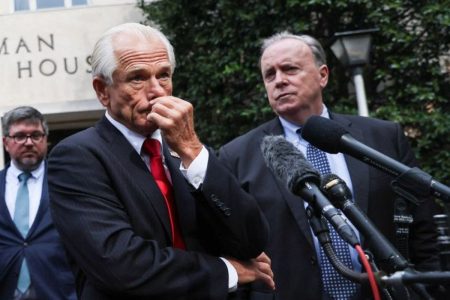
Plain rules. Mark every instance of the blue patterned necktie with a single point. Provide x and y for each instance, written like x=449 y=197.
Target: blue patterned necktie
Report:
x=21 y=219
x=336 y=286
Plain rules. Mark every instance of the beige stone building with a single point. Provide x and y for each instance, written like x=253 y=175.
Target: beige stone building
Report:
x=45 y=48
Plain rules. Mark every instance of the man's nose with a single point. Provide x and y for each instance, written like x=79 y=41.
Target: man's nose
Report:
x=280 y=79
x=28 y=141
x=155 y=89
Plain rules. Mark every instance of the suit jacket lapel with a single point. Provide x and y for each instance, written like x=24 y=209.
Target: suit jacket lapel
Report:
x=294 y=202
x=122 y=150
x=359 y=171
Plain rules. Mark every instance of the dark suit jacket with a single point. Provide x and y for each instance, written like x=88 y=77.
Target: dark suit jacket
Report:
x=291 y=248
x=114 y=223
x=50 y=273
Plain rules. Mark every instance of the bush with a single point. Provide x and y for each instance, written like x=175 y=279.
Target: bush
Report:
x=217 y=45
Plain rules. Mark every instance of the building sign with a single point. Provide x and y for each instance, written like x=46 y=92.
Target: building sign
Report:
x=45 y=55
x=49 y=65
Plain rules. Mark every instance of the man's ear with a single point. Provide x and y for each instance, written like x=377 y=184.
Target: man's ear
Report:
x=5 y=144
x=323 y=72
x=101 y=89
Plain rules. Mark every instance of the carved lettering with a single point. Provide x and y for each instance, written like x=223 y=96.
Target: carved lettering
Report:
x=22 y=44
x=20 y=69
x=75 y=68
x=89 y=62
x=50 y=44
x=4 y=47
x=51 y=67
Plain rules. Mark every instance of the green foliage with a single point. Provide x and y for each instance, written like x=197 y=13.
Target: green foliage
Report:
x=217 y=46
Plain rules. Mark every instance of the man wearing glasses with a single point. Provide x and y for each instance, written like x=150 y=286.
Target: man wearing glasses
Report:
x=33 y=264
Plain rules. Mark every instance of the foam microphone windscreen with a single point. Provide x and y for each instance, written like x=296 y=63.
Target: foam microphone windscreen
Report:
x=323 y=133
x=288 y=163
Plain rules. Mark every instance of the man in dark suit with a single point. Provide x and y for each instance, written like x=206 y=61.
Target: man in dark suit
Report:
x=134 y=227
x=294 y=72
x=33 y=263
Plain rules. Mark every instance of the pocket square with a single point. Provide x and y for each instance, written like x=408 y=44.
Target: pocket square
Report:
x=174 y=154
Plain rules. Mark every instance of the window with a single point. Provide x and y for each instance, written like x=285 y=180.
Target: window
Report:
x=79 y=2
x=23 y=5
x=49 y=3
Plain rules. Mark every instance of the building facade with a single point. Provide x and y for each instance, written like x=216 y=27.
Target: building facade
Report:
x=45 y=48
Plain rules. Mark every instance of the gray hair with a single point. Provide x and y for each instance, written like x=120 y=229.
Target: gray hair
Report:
x=104 y=62
x=23 y=114
x=312 y=43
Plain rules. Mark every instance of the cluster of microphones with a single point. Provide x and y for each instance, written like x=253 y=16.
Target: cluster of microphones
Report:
x=329 y=197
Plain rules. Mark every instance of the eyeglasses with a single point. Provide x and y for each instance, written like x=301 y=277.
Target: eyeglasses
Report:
x=21 y=138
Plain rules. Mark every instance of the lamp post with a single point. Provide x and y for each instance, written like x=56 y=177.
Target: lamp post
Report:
x=352 y=49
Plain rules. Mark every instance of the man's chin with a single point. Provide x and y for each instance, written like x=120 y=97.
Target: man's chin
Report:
x=29 y=163
x=287 y=110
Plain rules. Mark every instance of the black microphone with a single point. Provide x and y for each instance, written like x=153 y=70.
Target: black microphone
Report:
x=291 y=167
x=331 y=137
x=341 y=197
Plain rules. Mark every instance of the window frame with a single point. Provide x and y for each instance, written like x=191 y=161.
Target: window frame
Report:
x=33 y=6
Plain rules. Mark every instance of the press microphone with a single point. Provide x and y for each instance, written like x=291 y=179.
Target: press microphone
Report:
x=340 y=196
x=290 y=166
x=331 y=137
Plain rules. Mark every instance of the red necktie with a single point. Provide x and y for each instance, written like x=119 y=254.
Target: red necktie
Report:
x=153 y=148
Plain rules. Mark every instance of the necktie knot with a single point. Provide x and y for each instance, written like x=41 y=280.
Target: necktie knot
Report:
x=152 y=147
x=23 y=177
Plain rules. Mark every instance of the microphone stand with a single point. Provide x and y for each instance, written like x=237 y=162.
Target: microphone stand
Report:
x=384 y=251
x=321 y=231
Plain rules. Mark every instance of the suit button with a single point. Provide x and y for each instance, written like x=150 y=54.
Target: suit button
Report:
x=313 y=260
x=25 y=244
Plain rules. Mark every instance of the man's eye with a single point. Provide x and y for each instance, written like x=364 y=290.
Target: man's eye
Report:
x=164 y=75
x=269 y=76
x=138 y=78
x=36 y=135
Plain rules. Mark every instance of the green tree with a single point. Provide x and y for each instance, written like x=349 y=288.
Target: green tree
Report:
x=217 y=46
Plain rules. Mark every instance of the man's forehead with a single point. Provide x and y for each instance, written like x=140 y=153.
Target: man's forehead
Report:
x=283 y=50
x=134 y=51
x=25 y=123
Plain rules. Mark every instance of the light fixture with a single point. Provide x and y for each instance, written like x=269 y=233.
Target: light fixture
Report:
x=352 y=48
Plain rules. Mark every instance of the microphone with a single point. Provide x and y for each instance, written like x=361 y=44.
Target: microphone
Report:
x=331 y=137
x=341 y=197
x=290 y=166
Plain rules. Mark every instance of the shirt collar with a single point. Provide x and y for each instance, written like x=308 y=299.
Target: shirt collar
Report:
x=290 y=129
x=36 y=173
x=135 y=139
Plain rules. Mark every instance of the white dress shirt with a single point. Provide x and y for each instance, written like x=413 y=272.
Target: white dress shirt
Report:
x=34 y=184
